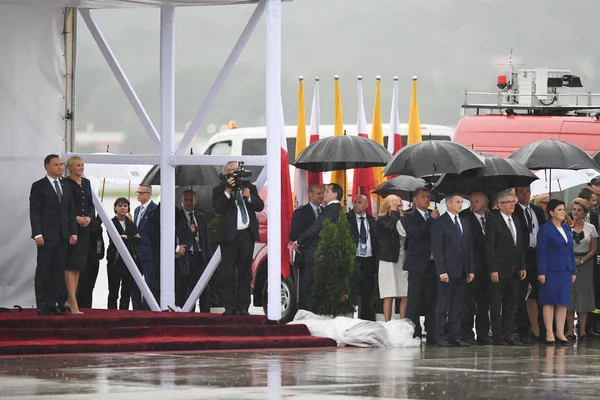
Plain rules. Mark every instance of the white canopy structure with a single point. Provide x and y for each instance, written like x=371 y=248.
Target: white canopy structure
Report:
x=36 y=43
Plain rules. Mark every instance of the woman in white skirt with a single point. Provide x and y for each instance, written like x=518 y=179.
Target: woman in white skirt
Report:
x=393 y=280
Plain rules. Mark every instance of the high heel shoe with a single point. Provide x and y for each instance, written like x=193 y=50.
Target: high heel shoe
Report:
x=70 y=309
x=561 y=342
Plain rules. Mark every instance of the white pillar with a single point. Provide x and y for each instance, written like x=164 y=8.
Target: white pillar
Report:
x=167 y=170
x=275 y=135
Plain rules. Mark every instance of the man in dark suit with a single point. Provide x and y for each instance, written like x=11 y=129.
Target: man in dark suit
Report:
x=308 y=242
x=53 y=227
x=237 y=230
x=505 y=255
x=198 y=253
x=452 y=247
x=591 y=198
x=308 y=213
x=529 y=218
x=477 y=299
x=422 y=278
x=140 y=218
x=365 y=235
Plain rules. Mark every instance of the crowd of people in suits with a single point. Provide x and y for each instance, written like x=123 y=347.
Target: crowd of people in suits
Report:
x=507 y=270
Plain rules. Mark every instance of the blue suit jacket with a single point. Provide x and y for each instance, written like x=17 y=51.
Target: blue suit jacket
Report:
x=143 y=246
x=553 y=254
x=452 y=253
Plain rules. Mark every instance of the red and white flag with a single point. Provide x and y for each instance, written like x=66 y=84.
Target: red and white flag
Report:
x=394 y=136
x=287 y=206
x=363 y=181
x=315 y=178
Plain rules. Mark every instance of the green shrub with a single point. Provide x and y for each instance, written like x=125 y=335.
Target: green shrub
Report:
x=333 y=291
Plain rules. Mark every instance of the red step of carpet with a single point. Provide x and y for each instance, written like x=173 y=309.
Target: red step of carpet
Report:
x=135 y=331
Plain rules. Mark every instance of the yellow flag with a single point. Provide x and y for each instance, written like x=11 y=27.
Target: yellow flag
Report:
x=339 y=177
x=414 y=123
x=377 y=129
x=300 y=176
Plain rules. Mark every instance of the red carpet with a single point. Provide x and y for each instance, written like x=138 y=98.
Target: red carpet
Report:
x=134 y=331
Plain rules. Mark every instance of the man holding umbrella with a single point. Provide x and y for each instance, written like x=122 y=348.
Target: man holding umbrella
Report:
x=422 y=278
x=529 y=219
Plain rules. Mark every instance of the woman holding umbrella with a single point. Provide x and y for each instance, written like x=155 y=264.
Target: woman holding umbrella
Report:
x=393 y=280
x=585 y=237
x=556 y=271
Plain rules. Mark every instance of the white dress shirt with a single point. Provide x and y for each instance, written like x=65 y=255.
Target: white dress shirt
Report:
x=561 y=230
x=514 y=227
x=52 y=183
x=480 y=219
x=240 y=223
x=369 y=248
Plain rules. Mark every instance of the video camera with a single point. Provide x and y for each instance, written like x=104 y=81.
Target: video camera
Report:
x=240 y=176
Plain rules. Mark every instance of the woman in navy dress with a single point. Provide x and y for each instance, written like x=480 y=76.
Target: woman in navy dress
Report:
x=556 y=270
x=84 y=211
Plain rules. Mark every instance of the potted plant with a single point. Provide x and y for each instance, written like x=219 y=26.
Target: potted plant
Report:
x=334 y=285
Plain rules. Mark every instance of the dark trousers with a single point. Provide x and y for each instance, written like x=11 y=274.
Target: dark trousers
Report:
x=593 y=321
x=367 y=268
x=152 y=280
x=503 y=300
x=522 y=319
x=50 y=287
x=422 y=290
x=87 y=282
x=197 y=267
x=476 y=306
x=306 y=279
x=236 y=264
x=119 y=277
x=449 y=303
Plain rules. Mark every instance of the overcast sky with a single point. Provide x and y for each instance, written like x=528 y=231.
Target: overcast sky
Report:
x=451 y=45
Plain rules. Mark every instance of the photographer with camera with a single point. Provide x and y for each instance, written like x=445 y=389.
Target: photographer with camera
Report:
x=236 y=201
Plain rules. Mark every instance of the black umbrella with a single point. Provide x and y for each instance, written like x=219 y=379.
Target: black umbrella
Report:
x=597 y=157
x=498 y=174
x=401 y=186
x=342 y=152
x=433 y=157
x=553 y=154
x=186 y=175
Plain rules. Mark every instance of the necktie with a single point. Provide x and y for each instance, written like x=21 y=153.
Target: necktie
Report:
x=140 y=214
x=318 y=211
x=426 y=215
x=58 y=191
x=512 y=230
x=363 y=231
x=240 y=203
x=457 y=225
x=483 y=223
x=529 y=220
x=193 y=222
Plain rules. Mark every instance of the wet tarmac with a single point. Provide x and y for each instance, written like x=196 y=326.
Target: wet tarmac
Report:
x=417 y=373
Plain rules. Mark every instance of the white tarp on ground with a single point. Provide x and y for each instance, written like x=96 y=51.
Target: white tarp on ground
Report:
x=357 y=332
x=32 y=106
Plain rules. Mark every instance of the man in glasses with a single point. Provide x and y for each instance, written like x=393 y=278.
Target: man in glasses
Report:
x=505 y=256
x=140 y=218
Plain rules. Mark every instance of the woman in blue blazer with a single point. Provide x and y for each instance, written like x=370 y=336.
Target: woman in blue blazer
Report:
x=556 y=270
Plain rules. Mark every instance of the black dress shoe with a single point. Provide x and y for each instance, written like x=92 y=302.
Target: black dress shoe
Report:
x=229 y=312
x=59 y=310
x=459 y=343
x=243 y=312
x=549 y=343
x=485 y=341
x=499 y=342
x=45 y=311
x=430 y=341
x=562 y=342
x=443 y=343
x=526 y=339
x=514 y=341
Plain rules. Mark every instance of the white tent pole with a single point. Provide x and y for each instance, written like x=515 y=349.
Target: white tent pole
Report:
x=222 y=77
x=275 y=131
x=167 y=170
x=120 y=245
x=204 y=159
x=122 y=159
x=121 y=77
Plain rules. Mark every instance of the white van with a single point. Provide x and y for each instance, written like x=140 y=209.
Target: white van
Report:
x=253 y=141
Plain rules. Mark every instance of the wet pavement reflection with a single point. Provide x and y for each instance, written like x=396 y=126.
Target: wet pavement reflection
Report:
x=415 y=373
